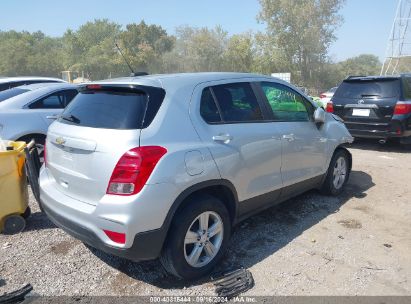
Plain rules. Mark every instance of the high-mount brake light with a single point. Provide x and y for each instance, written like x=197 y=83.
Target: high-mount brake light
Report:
x=134 y=169
x=93 y=87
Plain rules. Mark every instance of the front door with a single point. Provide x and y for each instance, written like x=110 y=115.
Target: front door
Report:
x=245 y=146
x=303 y=146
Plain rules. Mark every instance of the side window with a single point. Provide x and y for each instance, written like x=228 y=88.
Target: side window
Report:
x=208 y=108
x=286 y=104
x=57 y=100
x=237 y=102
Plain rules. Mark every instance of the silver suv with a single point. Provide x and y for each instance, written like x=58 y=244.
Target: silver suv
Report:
x=165 y=165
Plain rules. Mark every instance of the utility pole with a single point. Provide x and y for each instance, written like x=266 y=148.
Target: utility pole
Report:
x=399 y=42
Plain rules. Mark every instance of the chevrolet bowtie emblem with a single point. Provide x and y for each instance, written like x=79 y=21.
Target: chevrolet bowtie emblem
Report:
x=60 y=141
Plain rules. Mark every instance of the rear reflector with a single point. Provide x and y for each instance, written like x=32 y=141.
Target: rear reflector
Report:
x=116 y=237
x=402 y=107
x=330 y=107
x=133 y=170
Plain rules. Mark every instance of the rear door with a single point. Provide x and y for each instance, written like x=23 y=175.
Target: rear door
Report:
x=86 y=142
x=51 y=106
x=304 y=147
x=244 y=145
x=367 y=101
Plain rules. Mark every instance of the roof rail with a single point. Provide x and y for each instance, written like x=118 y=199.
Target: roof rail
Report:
x=138 y=74
x=355 y=76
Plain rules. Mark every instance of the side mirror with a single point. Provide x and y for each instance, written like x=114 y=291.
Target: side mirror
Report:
x=319 y=115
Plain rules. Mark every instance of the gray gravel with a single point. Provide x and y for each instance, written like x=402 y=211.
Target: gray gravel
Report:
x=356 y=244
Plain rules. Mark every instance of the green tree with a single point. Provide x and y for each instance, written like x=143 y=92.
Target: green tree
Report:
x=303 y=31
x=91 y=49
x=197 y=50
x=364 y=64
x=25 y=53
x=240 y=53
x=144 y=45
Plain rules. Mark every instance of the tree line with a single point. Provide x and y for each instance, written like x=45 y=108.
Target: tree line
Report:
x=297 y=38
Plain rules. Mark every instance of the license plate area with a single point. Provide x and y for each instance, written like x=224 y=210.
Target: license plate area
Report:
x=361 y=112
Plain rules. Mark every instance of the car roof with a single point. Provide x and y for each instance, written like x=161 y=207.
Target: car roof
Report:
x=365 y=78
x=186 y=78
x=26 y=78
x=51 y=85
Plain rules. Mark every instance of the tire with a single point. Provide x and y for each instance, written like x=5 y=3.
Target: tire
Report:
x=331 y=186
x=178 y=257
x=14 y=224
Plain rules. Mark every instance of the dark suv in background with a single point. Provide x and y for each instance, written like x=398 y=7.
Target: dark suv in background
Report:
x=375 y=106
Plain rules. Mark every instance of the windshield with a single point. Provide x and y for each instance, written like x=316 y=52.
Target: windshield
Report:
x=11 y=93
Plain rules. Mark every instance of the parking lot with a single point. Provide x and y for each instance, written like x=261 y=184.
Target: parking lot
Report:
x=356 y=244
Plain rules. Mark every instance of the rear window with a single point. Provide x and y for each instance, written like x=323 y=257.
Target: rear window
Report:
x=106 y=109
x=368 y=89
x=11 y=93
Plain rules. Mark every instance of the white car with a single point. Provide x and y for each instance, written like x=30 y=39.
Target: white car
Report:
x=27 y=111
x=326 y=96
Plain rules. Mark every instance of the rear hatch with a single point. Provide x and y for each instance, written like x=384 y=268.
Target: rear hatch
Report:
x=367 y=101
x=94 y=131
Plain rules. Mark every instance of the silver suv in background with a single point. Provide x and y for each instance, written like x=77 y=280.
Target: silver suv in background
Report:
x=165 y=165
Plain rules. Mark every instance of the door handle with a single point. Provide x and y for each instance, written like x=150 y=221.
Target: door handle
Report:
x=54 y=116
x=289 y=137
x=224 y=138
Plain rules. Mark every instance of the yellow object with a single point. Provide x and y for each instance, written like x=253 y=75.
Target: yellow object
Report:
x=13 y=182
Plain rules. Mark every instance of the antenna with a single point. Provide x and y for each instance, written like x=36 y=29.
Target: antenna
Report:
x=128 y=64
x=399 y=43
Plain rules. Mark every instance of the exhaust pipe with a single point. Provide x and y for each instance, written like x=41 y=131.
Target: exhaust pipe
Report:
x=382 y=141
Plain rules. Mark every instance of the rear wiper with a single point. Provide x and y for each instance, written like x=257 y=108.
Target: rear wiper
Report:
x=71 y=118
x=370 y=95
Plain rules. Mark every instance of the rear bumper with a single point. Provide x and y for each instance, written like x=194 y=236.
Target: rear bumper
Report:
x=141 y=218
x=391 y=129
x=146 y=245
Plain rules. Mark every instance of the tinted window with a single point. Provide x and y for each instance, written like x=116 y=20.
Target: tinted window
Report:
x=406 y=84
x=237 y=102
x=368 y=89
x=11 y=93
x=286 y=104
x=4 y=86
x=106 y=109
x=54 y=101
x=208 y=107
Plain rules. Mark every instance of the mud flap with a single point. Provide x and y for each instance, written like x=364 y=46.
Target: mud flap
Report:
x=33 y=166
x=233 y=283
x=16 y=296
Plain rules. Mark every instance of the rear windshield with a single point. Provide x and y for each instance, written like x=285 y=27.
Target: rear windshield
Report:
x=369 y=89
x=106 y=110
x=11 y=93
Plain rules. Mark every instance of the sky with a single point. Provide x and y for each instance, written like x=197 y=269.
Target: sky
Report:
x=366 y=28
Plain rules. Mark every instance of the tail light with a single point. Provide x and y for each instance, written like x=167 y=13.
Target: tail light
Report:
x=330 y=107
x=323 y=96
x=402 y=107
x=133 y=170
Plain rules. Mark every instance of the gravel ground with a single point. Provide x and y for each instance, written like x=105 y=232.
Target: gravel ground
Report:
x=356 y=244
